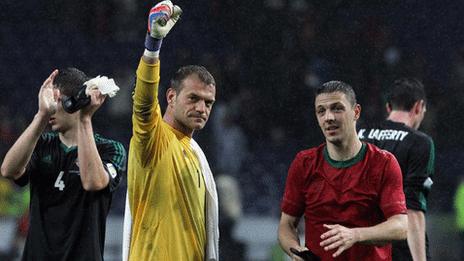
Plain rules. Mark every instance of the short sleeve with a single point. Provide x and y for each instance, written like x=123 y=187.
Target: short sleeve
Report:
x=392 y=199
x=33 y=164
x=418 y=176
x=293 y=202
x=113 y=156
x=24 y=179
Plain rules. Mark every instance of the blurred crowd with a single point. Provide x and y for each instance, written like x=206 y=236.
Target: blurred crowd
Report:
x=266 y=56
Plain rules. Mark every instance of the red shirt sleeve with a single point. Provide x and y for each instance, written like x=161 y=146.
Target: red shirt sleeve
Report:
x=392 y=200
x=293 y=202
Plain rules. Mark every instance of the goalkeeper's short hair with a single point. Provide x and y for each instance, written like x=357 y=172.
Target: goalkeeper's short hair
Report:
x=185 y=71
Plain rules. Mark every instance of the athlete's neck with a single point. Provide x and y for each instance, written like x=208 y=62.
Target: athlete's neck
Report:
x=170 y=119
x=402 y=117
x=345 y=150
x=69 y=137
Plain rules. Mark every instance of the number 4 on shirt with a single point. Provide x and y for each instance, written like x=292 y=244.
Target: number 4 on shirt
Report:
x=60 y=183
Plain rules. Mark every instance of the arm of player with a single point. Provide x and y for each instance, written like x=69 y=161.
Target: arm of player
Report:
x=342 y=238
x=417 y=184
x=416 y=234
x=93 y=175
x=288 y=235
x=16 y=159
x=161 y=19
x=146 y=110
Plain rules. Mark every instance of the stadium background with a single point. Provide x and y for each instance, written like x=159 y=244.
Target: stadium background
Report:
x=266 y=56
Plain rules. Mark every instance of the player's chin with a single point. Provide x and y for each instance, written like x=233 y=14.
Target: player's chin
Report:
x=54 y=127
x=198 y=126
x=332 y=139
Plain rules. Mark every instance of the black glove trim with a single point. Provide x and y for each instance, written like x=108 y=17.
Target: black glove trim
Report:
x=71 y=104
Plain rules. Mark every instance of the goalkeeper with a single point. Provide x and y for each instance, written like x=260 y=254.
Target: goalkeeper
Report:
x=171 y=208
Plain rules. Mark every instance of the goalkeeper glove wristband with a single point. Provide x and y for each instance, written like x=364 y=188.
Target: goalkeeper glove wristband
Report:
x=161 y=19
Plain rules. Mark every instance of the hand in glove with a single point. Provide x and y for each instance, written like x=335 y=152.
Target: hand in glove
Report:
x=163 y=16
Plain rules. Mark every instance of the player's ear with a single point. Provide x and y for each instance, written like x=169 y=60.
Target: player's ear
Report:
x=388 y=107
x=422 y=105
x=170 y=96
x=357 y=111
x=418 y=106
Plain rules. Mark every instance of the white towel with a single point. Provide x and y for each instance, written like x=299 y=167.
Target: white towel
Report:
x=105 y=85
x=212 y=212
x=126 y=233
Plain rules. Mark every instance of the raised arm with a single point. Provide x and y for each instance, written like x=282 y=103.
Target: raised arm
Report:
x=16 y=159
x=161 y=19
x=93 y=175
x=146 y=110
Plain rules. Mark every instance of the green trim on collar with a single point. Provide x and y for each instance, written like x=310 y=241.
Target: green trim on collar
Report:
x=66 y=148
x=346 y=163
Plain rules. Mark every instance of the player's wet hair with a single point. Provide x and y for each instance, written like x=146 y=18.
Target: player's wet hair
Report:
x=70 y=80
x=404 y=92
x=185 y=71
x=338 y=86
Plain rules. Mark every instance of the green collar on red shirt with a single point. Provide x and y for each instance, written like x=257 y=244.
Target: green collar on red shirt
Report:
x=346 y=163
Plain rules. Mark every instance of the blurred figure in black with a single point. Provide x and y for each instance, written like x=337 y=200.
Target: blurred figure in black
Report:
x=415 y=152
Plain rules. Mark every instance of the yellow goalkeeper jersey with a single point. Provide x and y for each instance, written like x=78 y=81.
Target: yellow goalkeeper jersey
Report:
x=165 y=184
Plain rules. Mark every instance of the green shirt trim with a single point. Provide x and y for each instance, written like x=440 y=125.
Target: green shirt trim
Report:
x=431 y=163
x=66 y=148
x=346 y=163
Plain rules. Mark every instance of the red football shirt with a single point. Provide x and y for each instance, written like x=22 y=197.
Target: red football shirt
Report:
x=360 y=192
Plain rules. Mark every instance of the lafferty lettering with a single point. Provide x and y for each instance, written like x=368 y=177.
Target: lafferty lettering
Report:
x=376 y=134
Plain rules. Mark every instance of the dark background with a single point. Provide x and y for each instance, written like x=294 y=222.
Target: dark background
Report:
x=266 y=57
